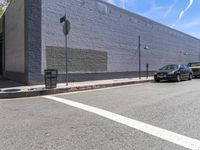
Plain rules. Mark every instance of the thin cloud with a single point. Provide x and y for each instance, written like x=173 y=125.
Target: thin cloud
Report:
x=183 y=12
x=158 y=12
x=121 y=3
x=191 y=24
x=170 y=9
x=186 y=9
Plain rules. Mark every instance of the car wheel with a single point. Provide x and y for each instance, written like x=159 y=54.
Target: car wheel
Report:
x=157 y=80
x=190 y=77
x=178 y=78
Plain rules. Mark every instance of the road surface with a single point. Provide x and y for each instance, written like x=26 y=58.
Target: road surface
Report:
x=148 y=116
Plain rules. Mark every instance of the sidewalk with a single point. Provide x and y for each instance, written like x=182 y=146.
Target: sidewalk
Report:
x=9 y=89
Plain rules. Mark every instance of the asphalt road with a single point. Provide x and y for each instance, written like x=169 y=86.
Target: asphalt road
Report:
x=43 y=124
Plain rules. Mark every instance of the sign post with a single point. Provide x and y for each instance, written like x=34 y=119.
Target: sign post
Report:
x=66 y=30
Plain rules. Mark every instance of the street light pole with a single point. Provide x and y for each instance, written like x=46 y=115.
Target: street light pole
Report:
x=66 y=60
x=139 y=54
x=139 y=45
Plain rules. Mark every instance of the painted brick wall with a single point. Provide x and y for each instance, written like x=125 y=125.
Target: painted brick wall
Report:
x=33 y=41
x=78 y=60
x=99 y=26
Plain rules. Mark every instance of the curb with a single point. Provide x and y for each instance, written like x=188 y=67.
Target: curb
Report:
x=43 y=92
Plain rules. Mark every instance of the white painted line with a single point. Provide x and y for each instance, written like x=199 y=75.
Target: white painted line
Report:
x=166 y=135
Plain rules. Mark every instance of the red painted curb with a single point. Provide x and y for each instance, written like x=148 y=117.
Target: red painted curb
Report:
x=65 y=90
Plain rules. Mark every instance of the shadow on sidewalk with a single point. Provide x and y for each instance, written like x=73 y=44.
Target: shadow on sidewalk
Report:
x=8 y=84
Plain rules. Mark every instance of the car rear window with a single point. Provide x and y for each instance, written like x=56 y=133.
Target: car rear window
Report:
x=170 y=67
x=194 y=64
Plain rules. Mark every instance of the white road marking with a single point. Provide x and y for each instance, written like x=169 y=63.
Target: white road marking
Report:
x=166 y=135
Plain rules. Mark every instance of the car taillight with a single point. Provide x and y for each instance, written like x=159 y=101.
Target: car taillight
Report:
x=195 y=70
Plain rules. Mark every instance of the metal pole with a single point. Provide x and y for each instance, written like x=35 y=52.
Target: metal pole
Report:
x=66 y=52
x=147 y=71
x=66 y=59
x=139 y=57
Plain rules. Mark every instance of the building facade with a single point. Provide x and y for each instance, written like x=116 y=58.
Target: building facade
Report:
x=102 y=43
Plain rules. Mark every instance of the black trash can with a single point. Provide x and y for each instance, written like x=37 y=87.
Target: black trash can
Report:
x=50 y=77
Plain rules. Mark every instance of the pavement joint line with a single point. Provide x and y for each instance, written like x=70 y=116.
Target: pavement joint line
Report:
x=178 y=139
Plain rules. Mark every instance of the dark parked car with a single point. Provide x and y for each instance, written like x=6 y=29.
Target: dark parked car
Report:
x=174 y=72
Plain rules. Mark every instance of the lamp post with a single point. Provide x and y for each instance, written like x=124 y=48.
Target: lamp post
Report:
x=139 y=49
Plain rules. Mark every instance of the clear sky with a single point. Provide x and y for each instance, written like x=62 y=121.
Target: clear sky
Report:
x=183 y=15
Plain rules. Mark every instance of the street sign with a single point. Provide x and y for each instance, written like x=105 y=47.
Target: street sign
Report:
x=62 y=19
x=66 y=27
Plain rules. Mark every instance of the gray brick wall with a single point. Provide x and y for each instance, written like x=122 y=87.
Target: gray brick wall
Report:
x=79 y=60
x=33 y=41
x=99 y=26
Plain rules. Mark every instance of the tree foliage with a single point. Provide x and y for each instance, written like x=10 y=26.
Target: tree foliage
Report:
x=3 y=5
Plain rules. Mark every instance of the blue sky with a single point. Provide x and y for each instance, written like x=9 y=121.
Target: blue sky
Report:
x=183 y=15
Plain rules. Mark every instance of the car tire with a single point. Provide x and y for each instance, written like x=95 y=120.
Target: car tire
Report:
x=178 y=78
x=157 y=80
x=190 y=76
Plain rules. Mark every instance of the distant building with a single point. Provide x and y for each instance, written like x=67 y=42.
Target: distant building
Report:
x=103 y=41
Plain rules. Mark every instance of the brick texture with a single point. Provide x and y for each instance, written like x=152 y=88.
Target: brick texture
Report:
x=99 y=26
x=33 y=41
x=102 y=27
x=78 y=60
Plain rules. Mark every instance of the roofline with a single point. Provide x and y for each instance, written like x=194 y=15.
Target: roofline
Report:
x=132 y=14
x=145 y=18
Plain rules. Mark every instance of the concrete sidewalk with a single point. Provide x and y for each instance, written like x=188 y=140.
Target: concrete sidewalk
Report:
x=9 y=89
